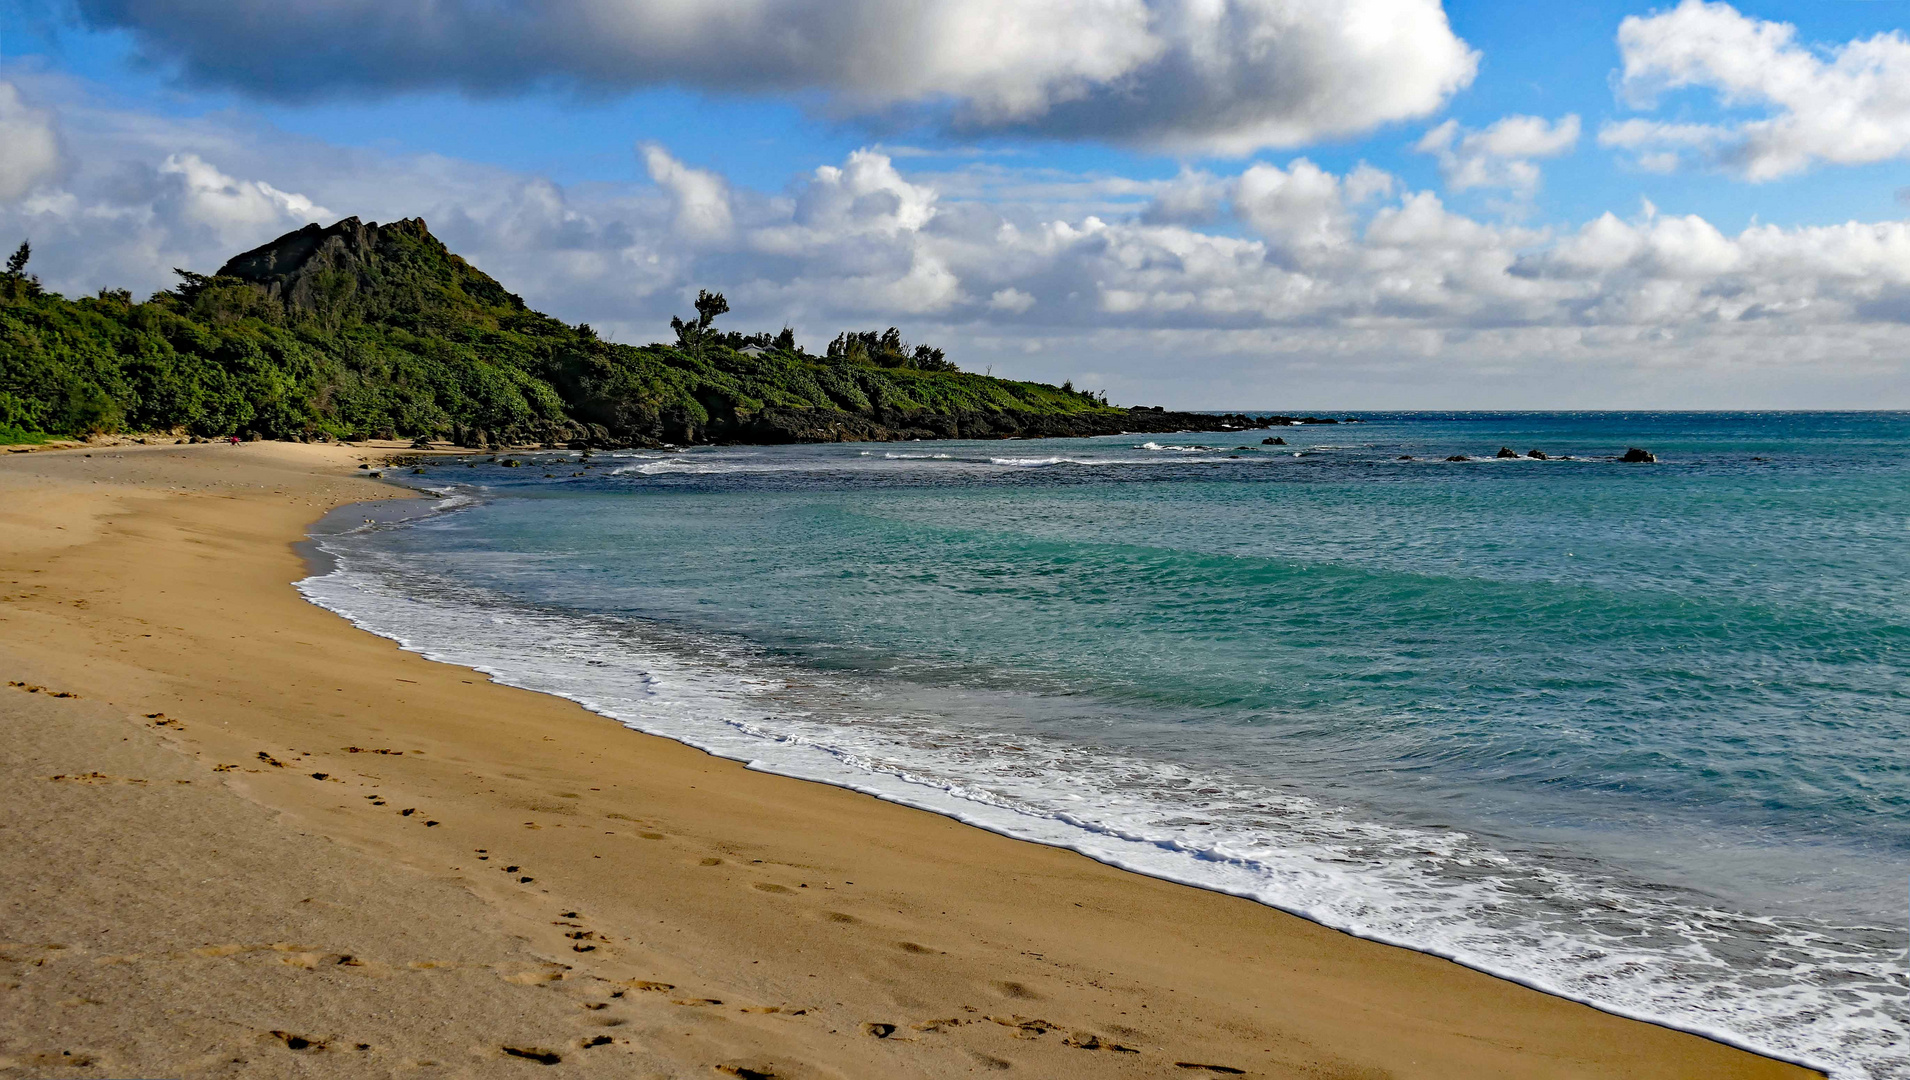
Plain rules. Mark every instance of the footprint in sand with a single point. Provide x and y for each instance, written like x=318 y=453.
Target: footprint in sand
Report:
x=745 y=1072
x=32 y=689
x=1017 y=990
x=63 y=1059
x=1224 y=1070
x=532 y=1053
x=1087 y=1040
x=298 y=1042
x=534 y=978
x=1025 y=1028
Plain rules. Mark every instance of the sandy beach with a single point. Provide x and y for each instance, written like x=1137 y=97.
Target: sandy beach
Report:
x=247 y=839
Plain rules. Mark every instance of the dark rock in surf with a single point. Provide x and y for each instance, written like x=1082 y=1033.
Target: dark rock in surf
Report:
x=1636 y=456
x=1458 y=457
x=1537 y=455
x=1275 y=441
x=1505 y=452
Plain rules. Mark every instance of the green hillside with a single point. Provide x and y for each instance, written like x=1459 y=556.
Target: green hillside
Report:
x=368 y=330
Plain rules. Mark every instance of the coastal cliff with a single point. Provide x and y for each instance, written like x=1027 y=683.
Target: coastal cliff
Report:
x=361 y=329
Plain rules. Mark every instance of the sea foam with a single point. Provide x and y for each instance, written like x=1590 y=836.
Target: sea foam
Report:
x=1667 y=955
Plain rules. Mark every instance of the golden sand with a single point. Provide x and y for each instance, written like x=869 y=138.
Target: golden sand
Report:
x=244 y=838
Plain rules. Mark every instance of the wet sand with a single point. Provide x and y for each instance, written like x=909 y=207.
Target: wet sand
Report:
x=245 y=838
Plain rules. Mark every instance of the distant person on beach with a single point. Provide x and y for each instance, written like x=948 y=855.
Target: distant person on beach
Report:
x=233 y=439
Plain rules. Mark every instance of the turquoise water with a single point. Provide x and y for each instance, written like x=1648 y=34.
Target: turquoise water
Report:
x=1634 y=733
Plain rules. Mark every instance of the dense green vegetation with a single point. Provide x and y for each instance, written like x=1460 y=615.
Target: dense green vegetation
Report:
x=380 y=330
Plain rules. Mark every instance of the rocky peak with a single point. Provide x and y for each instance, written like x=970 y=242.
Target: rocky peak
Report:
x=375 y=269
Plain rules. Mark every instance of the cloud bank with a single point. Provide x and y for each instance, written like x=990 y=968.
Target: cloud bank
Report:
x=1845 y=105
x=1210 y=76
x=1205 y=289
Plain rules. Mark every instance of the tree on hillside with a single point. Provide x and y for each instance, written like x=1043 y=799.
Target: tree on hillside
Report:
x=16 y=283
x=708 y=306
x=887 y=349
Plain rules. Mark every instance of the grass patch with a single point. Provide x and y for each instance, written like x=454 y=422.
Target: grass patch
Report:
x=13 y=436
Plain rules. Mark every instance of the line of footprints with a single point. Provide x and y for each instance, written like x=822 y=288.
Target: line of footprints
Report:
x=582 y=939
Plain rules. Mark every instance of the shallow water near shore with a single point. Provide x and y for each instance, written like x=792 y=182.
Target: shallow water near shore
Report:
x=1631 y=733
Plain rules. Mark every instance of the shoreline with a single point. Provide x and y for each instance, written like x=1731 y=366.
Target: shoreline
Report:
x=935 y=800
x=1060 y=952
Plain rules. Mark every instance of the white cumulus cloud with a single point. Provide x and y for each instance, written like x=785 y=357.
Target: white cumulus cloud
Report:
x=1225 y=76
x=29 y=145
x=1502 y=155
x=203 y=195
x=1011 y=300
x=1846 y=104
x=701 y=197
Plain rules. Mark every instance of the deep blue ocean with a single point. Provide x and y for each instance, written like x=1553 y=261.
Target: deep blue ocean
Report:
x=1636 y=733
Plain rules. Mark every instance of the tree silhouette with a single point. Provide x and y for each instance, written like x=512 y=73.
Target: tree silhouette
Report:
x=708 y=306
x=16 y=283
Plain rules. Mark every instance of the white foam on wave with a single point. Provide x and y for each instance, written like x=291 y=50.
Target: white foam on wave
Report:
x=1640 y=953
x=720 y=464
x=453 y=497
x=1045 y=462
x=1039 y=462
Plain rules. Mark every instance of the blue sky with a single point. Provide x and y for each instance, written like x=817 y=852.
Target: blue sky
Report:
x=1300 y=235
